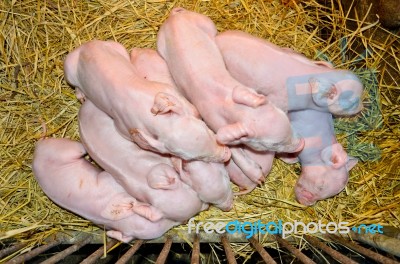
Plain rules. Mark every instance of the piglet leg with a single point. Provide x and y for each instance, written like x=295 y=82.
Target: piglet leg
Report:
x=248 y=166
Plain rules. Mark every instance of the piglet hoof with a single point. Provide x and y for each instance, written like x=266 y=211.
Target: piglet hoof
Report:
x=204 y=206
x=261 y=180
x=80 y=95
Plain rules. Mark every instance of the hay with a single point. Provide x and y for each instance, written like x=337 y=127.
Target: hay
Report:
x=36 y=36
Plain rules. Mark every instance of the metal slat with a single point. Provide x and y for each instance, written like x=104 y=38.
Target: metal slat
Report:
x=333 y=253
x=98 y=253
x=230 y=257
x=33 y=253
x=378 y=241
x=364 y=251
x=164 y=252
x=61 y=255
x=8 y=251
x=195 y=259
x=263 y=253
x=128 y=255
x=303 y=258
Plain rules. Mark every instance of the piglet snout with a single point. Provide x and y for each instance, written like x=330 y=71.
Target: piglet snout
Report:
x=305 y=198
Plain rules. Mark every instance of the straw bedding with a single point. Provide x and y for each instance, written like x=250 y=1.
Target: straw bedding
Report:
x=36 y=36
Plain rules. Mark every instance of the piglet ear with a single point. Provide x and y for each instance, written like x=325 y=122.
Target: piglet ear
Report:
x=334 y=156
x=120 y=207
x=324 y=92
x=163 y=176
x=123 y=205
x=146 y=141
x=247 y=96
x=351 y=162
x=231 y=134
x=166 y=103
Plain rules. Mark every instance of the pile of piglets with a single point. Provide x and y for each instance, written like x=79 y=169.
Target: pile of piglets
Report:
x=172 y=128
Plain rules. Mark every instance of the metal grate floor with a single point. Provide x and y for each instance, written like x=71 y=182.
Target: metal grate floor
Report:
x=85 y=248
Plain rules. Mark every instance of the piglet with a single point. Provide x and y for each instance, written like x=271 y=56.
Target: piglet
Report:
x=235 y=112
x=209 y=180
x=146 y=175
x=72 y=182
x=151 y=114
x=324 y=163
x=290 y=80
